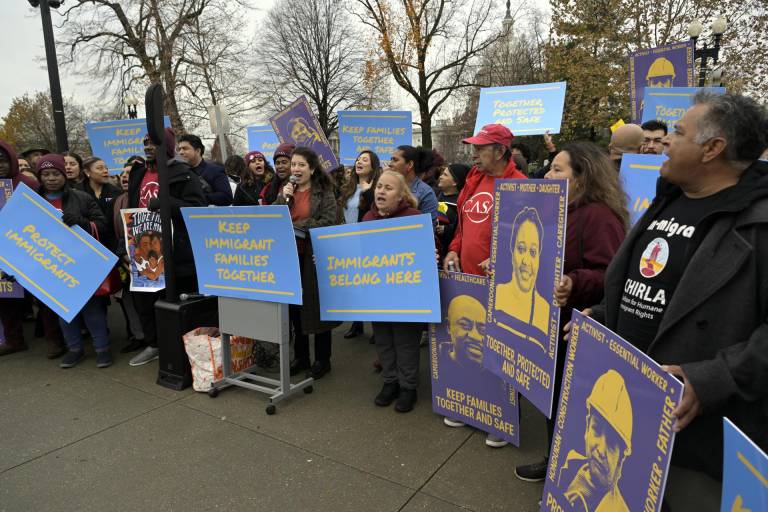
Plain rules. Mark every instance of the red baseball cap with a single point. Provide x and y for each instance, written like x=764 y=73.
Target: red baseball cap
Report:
x=491 y=134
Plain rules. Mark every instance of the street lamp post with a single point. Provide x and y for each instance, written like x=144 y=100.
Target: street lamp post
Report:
x=706 y=53
x=131 y=103
x=62 y=144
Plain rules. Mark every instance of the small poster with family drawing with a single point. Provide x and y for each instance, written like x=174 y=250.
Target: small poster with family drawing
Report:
x=144 y=247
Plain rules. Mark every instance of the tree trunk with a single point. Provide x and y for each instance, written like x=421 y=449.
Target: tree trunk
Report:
x=426 y=126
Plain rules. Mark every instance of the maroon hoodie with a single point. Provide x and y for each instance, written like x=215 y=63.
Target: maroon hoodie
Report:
x=403 y=210
x=15 y=176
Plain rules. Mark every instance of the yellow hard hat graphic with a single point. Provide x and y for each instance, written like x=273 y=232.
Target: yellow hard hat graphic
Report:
x=661 y=67
x=610 y=398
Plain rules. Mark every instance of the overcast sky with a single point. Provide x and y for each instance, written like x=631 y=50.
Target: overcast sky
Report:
x=23 y=56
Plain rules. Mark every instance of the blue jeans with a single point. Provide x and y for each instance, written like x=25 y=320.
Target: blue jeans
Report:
x=94 y=314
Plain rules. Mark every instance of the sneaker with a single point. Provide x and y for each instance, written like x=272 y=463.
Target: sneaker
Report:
x=103 y=359
x=495 y=441
x=535 y=472
x=71 y=358
x=387 y=395
x=406 y=400
x=145 y=356
x=449 y=422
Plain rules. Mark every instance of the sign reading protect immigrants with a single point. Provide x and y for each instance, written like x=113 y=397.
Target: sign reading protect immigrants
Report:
x=116 y=141
x=524 y=109
x=527 y=246
x=639 y=174
x=613 y=436
x=462 y=388
x=261 y=137
x=378 y=131
x=380 y=271
x=245 y=252
x=745 y=472
x=60 y=265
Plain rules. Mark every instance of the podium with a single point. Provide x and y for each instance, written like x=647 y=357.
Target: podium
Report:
x=269 y=321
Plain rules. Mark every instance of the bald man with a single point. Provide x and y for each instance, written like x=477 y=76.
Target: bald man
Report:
x=466 y=327
x=626 y=139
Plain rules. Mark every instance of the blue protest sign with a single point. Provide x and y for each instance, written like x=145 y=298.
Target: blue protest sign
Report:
x=382 y=271
x=59 y=265
x=117 y=141
x=524 y=109
x=613 y=437
x=6 y=191
x=378 y=131
x=462 y=388
x=639 y=174
x=745 y=472
x=670 y=65
x=668 y=104
x=261 y=137
x=298 y=125
x=527 y=245
x=246 y=252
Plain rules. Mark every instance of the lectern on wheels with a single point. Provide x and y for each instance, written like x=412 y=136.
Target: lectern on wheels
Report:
x=242 y=317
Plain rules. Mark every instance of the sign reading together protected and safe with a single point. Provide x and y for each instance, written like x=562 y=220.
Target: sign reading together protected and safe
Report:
x=245 y=252
x=527 y=247
x=380 y=271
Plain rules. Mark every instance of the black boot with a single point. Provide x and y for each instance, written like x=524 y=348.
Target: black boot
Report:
x=320 y=368
x=406 y=400
x=387 y=395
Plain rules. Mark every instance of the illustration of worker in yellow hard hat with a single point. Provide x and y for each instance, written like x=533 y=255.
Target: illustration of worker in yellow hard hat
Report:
x=592 y=479
x=466 y=327
x=660 y=74
x=519 y=297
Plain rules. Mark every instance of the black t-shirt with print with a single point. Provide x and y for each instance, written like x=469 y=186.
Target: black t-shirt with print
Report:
x=658 y=260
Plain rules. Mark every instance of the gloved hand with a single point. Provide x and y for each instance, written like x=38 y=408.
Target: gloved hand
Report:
x=154 y=204
x=71 y=219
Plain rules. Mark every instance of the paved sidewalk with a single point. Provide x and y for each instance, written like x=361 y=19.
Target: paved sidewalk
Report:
x=95 y=440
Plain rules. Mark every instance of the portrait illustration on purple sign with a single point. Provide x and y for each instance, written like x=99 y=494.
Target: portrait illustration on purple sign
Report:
x=462 y=388
x=303 y=133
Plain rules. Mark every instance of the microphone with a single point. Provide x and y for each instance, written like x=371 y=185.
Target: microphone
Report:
x=190 y=296
x=292 y=180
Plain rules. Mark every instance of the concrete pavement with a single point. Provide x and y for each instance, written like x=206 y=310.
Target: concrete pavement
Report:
x=86 y=439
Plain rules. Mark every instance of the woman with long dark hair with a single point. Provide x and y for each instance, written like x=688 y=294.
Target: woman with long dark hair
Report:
x=412 y=163
x=257 y=175
x=312 y=204
x=98 y=185
x=356 y=200
x=597 y=222
x=74 y=168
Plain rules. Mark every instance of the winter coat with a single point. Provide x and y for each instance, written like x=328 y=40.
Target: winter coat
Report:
x=322 y=207
x=109 y=193
x=248 y=195
x=714 y=326
x=213 y=173
x=84 y=209
x=184 y=191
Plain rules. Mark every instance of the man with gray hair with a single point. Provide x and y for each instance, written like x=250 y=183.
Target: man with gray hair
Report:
x=689 y=286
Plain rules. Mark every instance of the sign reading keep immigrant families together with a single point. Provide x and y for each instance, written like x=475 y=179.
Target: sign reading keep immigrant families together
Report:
x=116 y=141
x=527 y=247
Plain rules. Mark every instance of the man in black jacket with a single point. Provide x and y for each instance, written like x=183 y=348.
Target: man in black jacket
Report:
x=689 y=286
x=191 y=150
x=184 y=190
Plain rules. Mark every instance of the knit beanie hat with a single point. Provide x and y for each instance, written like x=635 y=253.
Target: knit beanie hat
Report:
x=51 y=161
x=459 y=173
x=284 y=149
x=251 y=155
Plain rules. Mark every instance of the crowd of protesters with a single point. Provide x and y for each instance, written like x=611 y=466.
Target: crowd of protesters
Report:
x=711 y=331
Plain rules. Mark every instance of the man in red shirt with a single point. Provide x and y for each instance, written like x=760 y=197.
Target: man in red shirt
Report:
x=471 y=246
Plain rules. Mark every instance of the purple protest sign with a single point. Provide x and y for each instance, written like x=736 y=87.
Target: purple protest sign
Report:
x=8 y=289
x=298 y=125
x=613 y=436
x=664 y=66
x=527 y=245
x=462 y=388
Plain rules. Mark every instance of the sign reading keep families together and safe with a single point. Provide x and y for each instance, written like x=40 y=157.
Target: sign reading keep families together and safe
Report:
x=60 y=265
x=377 y=131
x=462 y=388
x=613 y=436
x=527 y=247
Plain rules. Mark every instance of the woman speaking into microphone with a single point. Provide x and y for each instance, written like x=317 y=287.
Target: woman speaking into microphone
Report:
x=309 y=195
